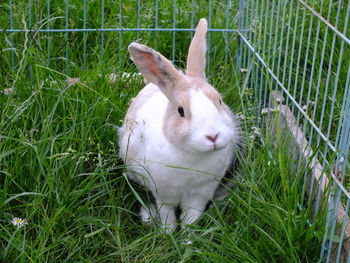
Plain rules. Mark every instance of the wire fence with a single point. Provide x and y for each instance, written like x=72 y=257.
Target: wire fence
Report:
x=300 y=50
x=297 y=49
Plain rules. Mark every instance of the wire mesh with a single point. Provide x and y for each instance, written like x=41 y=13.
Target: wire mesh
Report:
x=312 y=44
x=298 y=48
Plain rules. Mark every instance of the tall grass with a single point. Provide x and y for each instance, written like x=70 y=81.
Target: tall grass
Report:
x=59 y=167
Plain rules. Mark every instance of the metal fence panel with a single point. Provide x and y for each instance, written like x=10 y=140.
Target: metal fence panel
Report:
x=304 y=47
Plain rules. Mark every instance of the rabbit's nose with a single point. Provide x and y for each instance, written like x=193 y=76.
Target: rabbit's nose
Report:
x=212 y=138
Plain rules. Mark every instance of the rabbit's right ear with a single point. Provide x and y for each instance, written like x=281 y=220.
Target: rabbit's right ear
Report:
x=197 y=50
x=155 y=67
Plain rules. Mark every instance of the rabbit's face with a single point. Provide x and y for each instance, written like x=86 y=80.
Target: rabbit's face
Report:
x=197 y=120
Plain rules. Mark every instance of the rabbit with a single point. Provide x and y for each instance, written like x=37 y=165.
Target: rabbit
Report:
x=178 y=137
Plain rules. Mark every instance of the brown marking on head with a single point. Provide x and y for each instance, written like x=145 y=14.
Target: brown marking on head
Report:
x=173 y=121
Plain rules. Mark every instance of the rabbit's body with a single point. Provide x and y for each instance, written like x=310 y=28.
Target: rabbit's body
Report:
x=178 y=137
x=156 y=163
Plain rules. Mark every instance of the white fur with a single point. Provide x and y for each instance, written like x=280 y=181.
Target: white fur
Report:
x=207 y=120
x=188 y=179
x=185 y=175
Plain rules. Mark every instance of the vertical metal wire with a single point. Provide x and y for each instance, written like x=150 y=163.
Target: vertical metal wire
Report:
x=252 y=72
x=209 y=40
x=120 y=32
x=262 y=71
x=343 y=118
x=268 y=57
x=287 y=41
x=245 y=27
x=287 y=50
x=67 y=38
x=12 y=44
x=48 y=33
x=29 y=26
x=192 y=14
x=274 y=47
x=338 y=68
x=138 y=18
x=344 y=123
x=241 y=17
x=333 y=223
x=255 y=65
x=84 y=36
x=328 y=219
x=264 y=49
x=29 y=13
x=281 y=42
x=102 y=32
x=280 y=54
x=174 y=26
x=344 y=145
x=346 y=216
x=228 y=6
x=156 y=22
x=276 y=37
x=343 y=103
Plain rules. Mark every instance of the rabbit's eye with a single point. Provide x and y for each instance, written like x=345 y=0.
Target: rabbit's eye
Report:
x=181 y=111
x=220 y=101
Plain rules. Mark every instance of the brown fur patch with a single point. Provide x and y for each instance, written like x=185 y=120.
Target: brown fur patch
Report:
x=175 y=127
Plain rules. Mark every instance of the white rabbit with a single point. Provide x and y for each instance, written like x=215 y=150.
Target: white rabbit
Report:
x=178 y=137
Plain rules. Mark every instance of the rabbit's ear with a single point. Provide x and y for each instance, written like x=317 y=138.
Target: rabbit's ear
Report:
x=154 y=67
x=197 y=50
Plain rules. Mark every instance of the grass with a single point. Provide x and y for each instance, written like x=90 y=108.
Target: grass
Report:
x=58 y=152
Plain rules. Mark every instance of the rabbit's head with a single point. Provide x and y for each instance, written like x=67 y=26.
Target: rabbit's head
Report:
x=196 y=118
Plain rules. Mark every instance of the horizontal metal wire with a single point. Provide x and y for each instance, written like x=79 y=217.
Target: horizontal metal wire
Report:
x=118 y=30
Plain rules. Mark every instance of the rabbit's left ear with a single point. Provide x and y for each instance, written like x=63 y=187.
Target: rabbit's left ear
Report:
x=197 y=50
x=155 y=68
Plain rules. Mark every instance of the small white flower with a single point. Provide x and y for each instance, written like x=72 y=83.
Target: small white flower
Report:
x=256 y=131
x=304 y=108
x=19 y=222
x=241 y=116
x=7 y=91
x=189 y=242
x=265 y=111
